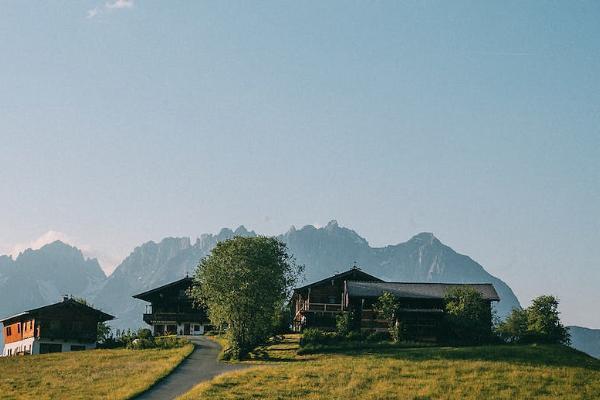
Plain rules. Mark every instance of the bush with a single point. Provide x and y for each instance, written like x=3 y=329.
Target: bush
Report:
x=468 y=318
x=387 y=308
x=141 y=344
x=354 y=336
x=143 y=339
x=169 y=342
x=378 y=337
x=540 y=322
x=342 y=324
x=313 y=336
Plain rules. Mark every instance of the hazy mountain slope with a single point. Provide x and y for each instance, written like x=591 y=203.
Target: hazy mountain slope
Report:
x=586 y=340
x=40 y=277
x=151 y=265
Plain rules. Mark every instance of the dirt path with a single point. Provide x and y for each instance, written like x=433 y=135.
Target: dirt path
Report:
x=200 y=366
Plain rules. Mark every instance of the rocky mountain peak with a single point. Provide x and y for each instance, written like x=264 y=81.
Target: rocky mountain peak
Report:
x=426 y=238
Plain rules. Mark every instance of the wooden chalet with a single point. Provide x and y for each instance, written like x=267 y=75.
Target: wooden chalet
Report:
x=65 y=326
x=317 y=305
x=172 y=311
x=422 y=305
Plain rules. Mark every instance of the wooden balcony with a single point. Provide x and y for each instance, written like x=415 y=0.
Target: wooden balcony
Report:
x=173 y=317
x=67 y=334
x=322 y=307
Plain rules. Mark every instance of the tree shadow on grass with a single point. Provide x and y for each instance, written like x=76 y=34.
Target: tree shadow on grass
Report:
x=533 y=355
x=278 y=349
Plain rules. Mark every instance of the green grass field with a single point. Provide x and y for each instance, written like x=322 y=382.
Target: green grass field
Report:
x=490 y=372
x=95 y=374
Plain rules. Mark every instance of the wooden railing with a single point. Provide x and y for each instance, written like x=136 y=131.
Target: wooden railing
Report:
x=168 y=317
x=325 y=307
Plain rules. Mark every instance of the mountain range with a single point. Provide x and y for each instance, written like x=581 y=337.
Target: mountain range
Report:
x=38 y=277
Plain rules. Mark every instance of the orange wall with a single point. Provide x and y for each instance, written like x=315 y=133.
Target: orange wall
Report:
x=19 y=331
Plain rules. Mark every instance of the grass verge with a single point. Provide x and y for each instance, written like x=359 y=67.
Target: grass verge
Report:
x=392 y=372
x=95 y=374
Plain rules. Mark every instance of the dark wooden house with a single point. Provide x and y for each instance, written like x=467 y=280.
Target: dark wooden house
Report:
x=65 y=326
x=317 y=305
x=172 y=311
x=422 y=305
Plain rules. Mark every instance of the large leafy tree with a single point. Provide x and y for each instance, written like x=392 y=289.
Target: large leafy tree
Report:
x=244 y=283
x=468 y=316
x=540 y=322
x=514 y=327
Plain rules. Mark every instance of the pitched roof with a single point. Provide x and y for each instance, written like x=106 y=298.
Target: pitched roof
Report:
x=341 y=275
x=417 y=290
x=66 y=303
x=187 y=281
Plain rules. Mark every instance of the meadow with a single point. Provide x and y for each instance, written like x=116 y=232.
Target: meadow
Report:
x=95 y=374
x=492 y=372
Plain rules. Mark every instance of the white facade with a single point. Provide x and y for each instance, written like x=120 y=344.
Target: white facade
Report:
x=162 y=328
x=33 y=346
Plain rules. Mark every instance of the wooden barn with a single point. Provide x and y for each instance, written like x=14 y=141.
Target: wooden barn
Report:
x=172 y=311
x=422 y=305
x=317 y=305
x=421 y=310
x=65 y=326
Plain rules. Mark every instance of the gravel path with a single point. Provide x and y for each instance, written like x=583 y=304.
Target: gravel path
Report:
x=202 y=365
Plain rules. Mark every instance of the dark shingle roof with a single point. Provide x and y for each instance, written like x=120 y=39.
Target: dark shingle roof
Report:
x=352 y=271
x=416 y=290
x=68 y=304
x=184 y=282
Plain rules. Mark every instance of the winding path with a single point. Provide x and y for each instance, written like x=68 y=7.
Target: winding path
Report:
x=202 y=365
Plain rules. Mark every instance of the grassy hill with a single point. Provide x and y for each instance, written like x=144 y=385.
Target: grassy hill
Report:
x=491 y=372
x=95 y=374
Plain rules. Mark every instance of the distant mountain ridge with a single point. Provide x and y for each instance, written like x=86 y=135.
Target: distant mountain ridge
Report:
x=41 y=276
x=586 y=340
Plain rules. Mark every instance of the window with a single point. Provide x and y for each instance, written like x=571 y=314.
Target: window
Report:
x=50 y=348
x=8 y=331
x=18 y=328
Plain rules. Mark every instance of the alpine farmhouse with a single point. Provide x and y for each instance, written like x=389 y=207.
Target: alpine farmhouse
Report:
x=422 y=305
x=172 y=311
x=68 y=325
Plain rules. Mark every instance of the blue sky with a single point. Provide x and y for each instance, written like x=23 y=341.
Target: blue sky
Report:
x=129 y=121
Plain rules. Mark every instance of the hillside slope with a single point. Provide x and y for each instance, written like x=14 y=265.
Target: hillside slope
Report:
x=470 y=373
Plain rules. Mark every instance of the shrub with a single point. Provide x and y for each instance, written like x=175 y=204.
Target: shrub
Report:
x=313 y=336
x=140 y=344
x=468 y=317
x=378 y=337
x=169 y=342
x=342 y=324
x=540 y=322
x=354 y=336
x=387 y=308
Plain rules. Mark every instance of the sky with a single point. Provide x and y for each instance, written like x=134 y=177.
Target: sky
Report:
x=128 y=121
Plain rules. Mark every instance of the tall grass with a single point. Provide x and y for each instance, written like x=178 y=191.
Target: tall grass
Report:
x=95 y=374
x=491 y=372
